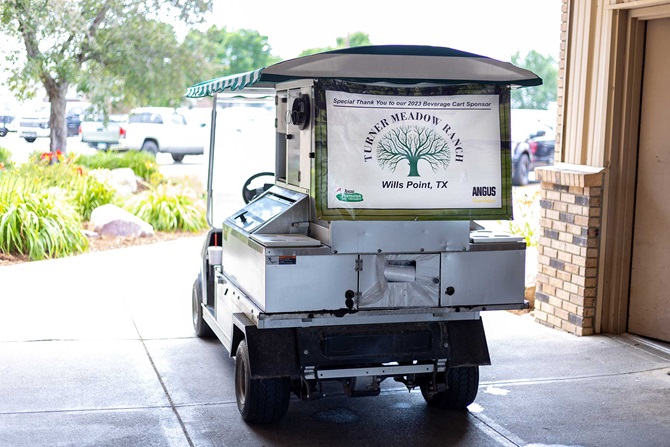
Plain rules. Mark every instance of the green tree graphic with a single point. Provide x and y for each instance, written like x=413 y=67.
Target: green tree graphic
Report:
x=413 y=143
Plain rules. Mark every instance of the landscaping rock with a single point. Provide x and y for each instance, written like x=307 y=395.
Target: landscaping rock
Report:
x=123 y=180
x=110 y=220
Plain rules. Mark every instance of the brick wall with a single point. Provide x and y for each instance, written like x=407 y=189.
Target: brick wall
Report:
x=570 y=213
x=560 y=94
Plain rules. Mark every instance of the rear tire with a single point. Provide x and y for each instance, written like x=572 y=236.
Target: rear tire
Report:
x=30 y=139
x=463 y=383
x=178 y=157
x=200 y=326
x=260 y=401
x=3 y=132
x=150 y=146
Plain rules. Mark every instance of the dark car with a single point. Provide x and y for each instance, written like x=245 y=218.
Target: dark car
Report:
x=533 y=143
x=73 y=118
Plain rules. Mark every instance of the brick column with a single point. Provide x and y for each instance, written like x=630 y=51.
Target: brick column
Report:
x=568 y=251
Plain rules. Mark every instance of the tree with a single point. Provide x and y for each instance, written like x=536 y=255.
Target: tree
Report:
x=92 y=45
x=357 y=39
x=541 y=96
x=156 y=74
x=413 y=143
x=219 y=52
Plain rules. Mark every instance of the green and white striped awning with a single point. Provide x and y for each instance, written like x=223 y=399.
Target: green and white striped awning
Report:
x=232 y=82
x=397 y=64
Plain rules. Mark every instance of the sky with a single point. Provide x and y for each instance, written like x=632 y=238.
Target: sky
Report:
x=493 y=28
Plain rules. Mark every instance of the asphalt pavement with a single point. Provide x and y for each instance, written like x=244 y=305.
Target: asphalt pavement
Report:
x=98 y=350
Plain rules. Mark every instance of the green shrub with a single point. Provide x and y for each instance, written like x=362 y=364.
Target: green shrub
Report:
x=60 y=171
x=37 y=221
x=88 y=193
x=5 y=159
x=526 y=221
x=50 y=169
x=169 y=209
x=143 y=164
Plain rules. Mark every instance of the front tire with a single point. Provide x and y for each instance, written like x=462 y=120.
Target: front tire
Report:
x=200 y=326
x=463 y=383
x=30 y=139
x=3 y=132
x=178 y=157
x=260 y=401
x=521 y=172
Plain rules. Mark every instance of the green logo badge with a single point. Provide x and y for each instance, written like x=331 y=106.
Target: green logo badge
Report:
x=349 y=196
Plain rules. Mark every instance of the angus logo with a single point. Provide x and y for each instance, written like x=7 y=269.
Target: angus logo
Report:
x=483 y=191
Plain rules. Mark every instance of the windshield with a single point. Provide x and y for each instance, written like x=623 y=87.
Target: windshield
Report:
x=244 y=146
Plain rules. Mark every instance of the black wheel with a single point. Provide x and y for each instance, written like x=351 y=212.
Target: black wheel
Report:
x=3 y=132
x=521 y=172
x=462 y=382
x=200 y=326
x=30 y=139
x=177 y=157
x=150 y=146
x=260 y=401
x=249 y=194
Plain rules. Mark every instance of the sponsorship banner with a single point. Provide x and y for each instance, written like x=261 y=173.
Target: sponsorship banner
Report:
x=413 y=153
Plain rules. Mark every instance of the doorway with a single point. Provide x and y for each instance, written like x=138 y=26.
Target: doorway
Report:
x=649 y=301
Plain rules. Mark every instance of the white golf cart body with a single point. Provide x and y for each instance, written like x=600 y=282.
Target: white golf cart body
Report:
x=366 y=258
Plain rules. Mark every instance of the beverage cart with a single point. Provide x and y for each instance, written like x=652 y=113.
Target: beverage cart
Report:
x=365 y=255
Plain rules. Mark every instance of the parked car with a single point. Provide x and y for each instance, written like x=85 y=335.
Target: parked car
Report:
x=74 y=116
x=35 y=124
x=6 y=124
x=533 y=142
x=103 y=136
x=163 y=129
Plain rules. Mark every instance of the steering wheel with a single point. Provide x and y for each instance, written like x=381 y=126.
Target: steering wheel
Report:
x=249 y=194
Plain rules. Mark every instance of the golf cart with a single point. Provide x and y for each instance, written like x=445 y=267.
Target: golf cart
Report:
x=363 y=256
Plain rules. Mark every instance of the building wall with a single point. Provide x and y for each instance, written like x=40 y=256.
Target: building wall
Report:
x=599 y=95
x=571 y=207
x=560 y=96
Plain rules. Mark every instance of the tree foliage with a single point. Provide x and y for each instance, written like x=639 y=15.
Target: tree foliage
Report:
x=413 y=143
x=112 y=49
x=357 y=39
x=219 y=52
x=147 y=67
x=542 y=96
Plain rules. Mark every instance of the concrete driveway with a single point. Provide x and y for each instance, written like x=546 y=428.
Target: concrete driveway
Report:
x=98 y=350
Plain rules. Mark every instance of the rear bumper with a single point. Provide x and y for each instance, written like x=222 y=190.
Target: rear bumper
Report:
x=34 y=132
x=291 y=352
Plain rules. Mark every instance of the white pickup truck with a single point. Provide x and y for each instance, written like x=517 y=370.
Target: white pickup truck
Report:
x=163 y=129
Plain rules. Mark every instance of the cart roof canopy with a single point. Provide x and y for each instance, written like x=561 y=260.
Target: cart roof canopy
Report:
x=398 y=64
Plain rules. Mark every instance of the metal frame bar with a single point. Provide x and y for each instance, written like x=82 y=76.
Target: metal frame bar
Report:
x=390 y=370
